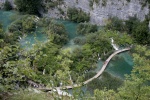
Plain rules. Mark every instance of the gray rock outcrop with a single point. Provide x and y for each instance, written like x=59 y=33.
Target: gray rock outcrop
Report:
x=100 y=13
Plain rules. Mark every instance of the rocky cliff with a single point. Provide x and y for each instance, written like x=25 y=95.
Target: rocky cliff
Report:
x=101 y=11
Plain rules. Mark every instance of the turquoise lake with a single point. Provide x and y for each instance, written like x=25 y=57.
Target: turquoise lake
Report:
x=6 y=17
x=118 y=66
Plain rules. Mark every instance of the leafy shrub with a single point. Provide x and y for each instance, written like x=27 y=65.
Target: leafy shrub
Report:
x=85 y=28
x=141 y=33
x=106 y=81
x=77 y=15
x=7 y=5
x=128 y=0
x=79 y=41
x=115 y=24
x=57 y=32
x=29 y=6
x=25 y=24
x=132 y=21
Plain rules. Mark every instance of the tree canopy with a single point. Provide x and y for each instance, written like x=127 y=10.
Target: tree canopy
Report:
x=29 y=6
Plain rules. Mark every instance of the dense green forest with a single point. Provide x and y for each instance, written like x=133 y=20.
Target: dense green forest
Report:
x=47 y=64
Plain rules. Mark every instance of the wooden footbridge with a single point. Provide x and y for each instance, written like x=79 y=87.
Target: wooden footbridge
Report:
x=91 y=79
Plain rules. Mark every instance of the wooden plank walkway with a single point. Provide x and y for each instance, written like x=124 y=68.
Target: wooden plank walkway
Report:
x=91 y=79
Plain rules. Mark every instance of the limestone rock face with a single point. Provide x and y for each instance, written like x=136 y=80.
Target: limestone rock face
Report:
x=99 y=13
x=119 y=8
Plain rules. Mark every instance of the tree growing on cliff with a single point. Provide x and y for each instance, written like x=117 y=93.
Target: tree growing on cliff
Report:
x=29 y=6
x=77 y=15
x=7 y=5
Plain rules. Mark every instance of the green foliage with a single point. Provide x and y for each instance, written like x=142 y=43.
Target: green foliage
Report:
x=57 y=33
x=79 y=41
x=83 y=59
x=105 y=81
x=104 y=2
x=115 y=24
x=85 y=28
x=132 y=21
x=145 y=2
x=7 y=5
x=29 y=6
x=24 y=25
x=9 y=72
x=96 y=1
x=136 y=86
x=52 y=3
x=105 y=95
x=32 y=95
x=138 y=30
x=1 y=34
x=121 y=39
x=46 y=59
x=77 y=15
x=99 y=43
x=141 y=33
x=128 y=0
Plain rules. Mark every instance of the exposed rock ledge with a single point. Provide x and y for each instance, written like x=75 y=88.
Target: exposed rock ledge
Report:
x=99 y=14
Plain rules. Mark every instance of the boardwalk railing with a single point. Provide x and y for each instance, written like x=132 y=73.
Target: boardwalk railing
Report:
x=94 y=77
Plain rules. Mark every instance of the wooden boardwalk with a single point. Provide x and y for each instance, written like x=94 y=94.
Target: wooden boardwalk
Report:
x=91 y=79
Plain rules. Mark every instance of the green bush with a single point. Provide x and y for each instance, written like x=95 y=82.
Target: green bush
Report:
x=106 y=81
x=132 y=21
x=7 y=5
x=79 y=41
x=25 y=24
x=85 y=28
x=141 y=33
x=77 y=15
x=115 y=24
x=57 y=32
x=29 y=6
x=128 y=0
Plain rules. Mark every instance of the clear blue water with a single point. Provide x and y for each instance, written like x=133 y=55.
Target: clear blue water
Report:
x=70 y=28
x=6 y=17
x=72 y=33
x=120 y=65
x=30 y=39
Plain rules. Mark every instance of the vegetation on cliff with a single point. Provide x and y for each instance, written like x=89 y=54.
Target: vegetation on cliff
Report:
x=77 y=15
